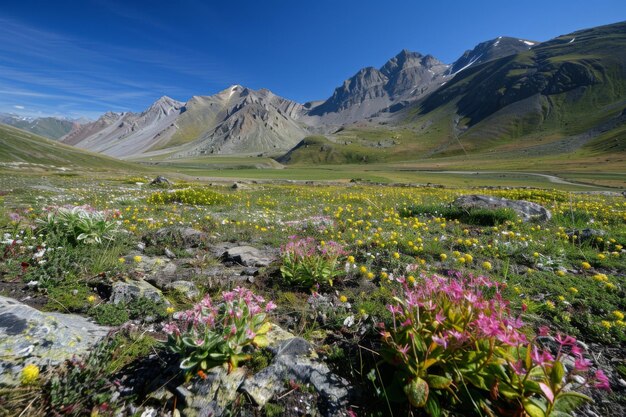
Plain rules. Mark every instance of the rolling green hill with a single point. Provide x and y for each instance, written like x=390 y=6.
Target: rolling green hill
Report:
x=21 y=148
x=561 y=102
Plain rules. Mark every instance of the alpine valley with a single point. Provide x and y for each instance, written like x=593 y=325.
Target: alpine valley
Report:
x=504 y=101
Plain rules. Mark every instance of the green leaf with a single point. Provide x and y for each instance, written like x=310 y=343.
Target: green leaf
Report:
x=570 y=401
x=433 y=408
x=187 y=363
x=558 y=371
x=557 y=413
x=533 y=408
x=438 y=381
x=477 y=380
x=417 y=392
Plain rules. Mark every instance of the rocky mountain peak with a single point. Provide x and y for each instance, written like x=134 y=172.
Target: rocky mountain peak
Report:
x=489 y=50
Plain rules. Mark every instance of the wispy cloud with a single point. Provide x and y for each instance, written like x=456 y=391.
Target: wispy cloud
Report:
x=17 y=106
x=57 y=70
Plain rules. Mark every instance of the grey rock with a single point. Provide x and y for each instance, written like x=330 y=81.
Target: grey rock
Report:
x=186 y=287
x=169 y=253
x=164 y=275
x=141 y=246
x=214 y=393
x=293 y=361
x=185 y=237
x=525 y=209
x=160 y=180
x=28 y=336
x=585 y=235
x=130 y=290
x=248 y=256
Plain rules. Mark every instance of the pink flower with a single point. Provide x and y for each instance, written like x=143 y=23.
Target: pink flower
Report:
x=602 y=381
x=270 y=306
x=441 y=341
x=518 y=367
x=581 y=365
x=544 y=331
x=171 y=328
x=565 y=340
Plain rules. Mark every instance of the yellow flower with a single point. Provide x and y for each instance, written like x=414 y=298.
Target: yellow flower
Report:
x=370 y=275
x=573 y=290
x=550 y=305
x=601 y=256
x=170 y=310
x=30 y=374
x=586 y=265
x=411 y=279
x=560 y=273
x=363 y=269
x=343 y=299
x=606 y=324
x=121 y=260
x=384 y=275
x=351 y=259
x=137 y=258
x=396 y=255
x=91 y=299
x=468 y=258
x=618 y=315
x=536 y=254
x=487 y=265
x=443 y=256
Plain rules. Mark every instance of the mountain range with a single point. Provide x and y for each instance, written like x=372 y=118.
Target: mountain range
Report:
x=503 y=95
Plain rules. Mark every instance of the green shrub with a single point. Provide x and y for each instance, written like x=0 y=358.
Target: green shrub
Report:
x=82 y=387
x=78 y=225
x=110 y=314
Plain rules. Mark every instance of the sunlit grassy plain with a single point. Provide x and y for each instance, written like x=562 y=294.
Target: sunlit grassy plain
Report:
x=387 y=216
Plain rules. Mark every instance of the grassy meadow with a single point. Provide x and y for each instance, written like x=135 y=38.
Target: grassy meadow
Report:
x=549 y=273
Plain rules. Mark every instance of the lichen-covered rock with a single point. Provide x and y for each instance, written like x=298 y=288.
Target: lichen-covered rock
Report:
x=29 y=336
x=185 y=287
x=212 y=394
x=525 y=209
x=131 y=290
x=295 y=360
x=248 y=256
x=177 y=236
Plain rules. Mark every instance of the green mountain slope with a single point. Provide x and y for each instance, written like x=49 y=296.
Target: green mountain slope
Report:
x=21 y=147
x=48 y=127
x=563 y=87
x=562 y=102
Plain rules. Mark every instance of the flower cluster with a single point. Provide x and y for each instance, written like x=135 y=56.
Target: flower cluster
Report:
x=455 y=342
x=307 y=263
x=212 y=333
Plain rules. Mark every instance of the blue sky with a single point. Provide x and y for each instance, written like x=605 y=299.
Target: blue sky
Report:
x=82 y=58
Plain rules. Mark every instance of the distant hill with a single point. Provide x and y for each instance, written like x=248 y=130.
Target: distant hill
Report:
x=18 y=147
x=48 y=127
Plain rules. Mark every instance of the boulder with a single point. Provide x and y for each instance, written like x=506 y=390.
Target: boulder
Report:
x=248 y=256
x=187 y=288
x=213 y=394
x=160 y=181
x=585 y=235
x=178 y=236
x=130 y=290
x=295 y=360
x=28 y=336
x=525 y=209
